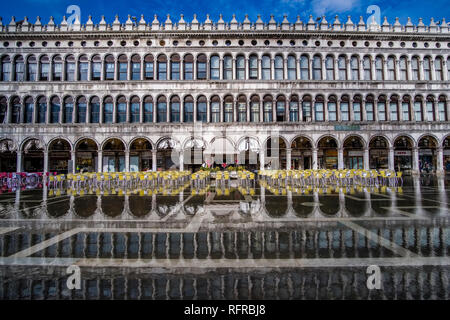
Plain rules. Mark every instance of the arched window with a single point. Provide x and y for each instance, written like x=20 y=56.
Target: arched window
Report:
x=6 y=69
x=215 y=109
x=135 y=109
x=442 y=109
x=367 y=69
x=254 y=109
x=345 y=110
x=201 y=67
x=55 y=108
x=44 y=70
x=148 y=109
x=304 y=67
x=3 y=109
x=188 y=67
x=329 y=66
x=342 y=68
x=242 y=109
x=391 y=68
x=81 y=110
x=15 y=106
x=57 y=68
x=279 y=70
x=265 y=67
x=317 y=68
x=406 y=114
x=83 y=67
x=31 y=68
x=28 y=112
x=162 y=67
x=135 y=67
x=96 y=66
x=403 y=69
x=318 y=109
x=268 y=109
x=379 y=67
x=430 y=109
x=201 y=109
x=253 y=66
x=123 y=67
x=95 y=110
x=332 y=108
x=427 y=68
x=381 y=108
x=240 y=67
x=122 y=110
x=175 y=67
x=148 y=67
x=369 y=108
x=438 y=69
x=306 y=109
x=415 y=68
x=41 y=109
x=354 y=68
x=161 y=109
x=393 y=107
x=228 y=109
x=281 y=109
x=19 y=73
x=188 y=109
x=357 y=108
x=68 y=110
x=418 y=111
x=215 y=68
x=293 y=109
x=108 y=110
x=109 y=67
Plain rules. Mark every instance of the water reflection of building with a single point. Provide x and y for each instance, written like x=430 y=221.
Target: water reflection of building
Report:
x=358 y=112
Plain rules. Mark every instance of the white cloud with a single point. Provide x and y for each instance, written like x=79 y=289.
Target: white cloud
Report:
x=321 y=7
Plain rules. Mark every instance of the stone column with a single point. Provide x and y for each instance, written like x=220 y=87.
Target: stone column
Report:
x=235 y=113
x=272 y=69
x=246 y=66
x=314 y=159
x=154 y=160
x=181 y=69
x=274 y=111
x=141 y=110
x=363 y=110
x=127 y=161
x=128 y=102
x=285 y=68
x=259 y=69
x=233 y=66
x=440 y=161
x=340 y=158
x=19 y=161
x=181 y=155
x=415 y=160
x=116 y=68
x=408 y=69
x=73 y=159
x=391 y=162
x=100 y=161
x=208 y=111
x=261 y=160
x=114 y=120
x=373 y=71
x=288 y=158
x=45 y=162
x=366 y=159
x=195 y=111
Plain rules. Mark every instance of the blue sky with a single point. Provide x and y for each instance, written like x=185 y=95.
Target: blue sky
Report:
x=57 y=8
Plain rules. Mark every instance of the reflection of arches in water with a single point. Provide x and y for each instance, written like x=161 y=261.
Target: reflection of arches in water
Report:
x=356 y=208
x=56 y=210
x=329 y=205
x=112 y=206
x=276 y=206
x=166 y=204
x=85 y=206
x=194 y=205
x=301 y=210
x=140 y=206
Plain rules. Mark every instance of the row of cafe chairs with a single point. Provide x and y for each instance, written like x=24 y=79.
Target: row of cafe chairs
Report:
x=325 y=177
x=103 y=180
x=222 y=178
x=200 y=179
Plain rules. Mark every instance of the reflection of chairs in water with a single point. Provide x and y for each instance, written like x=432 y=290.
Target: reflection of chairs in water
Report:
x=246 y=178
x=222 y=178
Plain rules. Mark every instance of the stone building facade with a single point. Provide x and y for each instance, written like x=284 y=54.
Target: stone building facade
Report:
x=136 y=95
